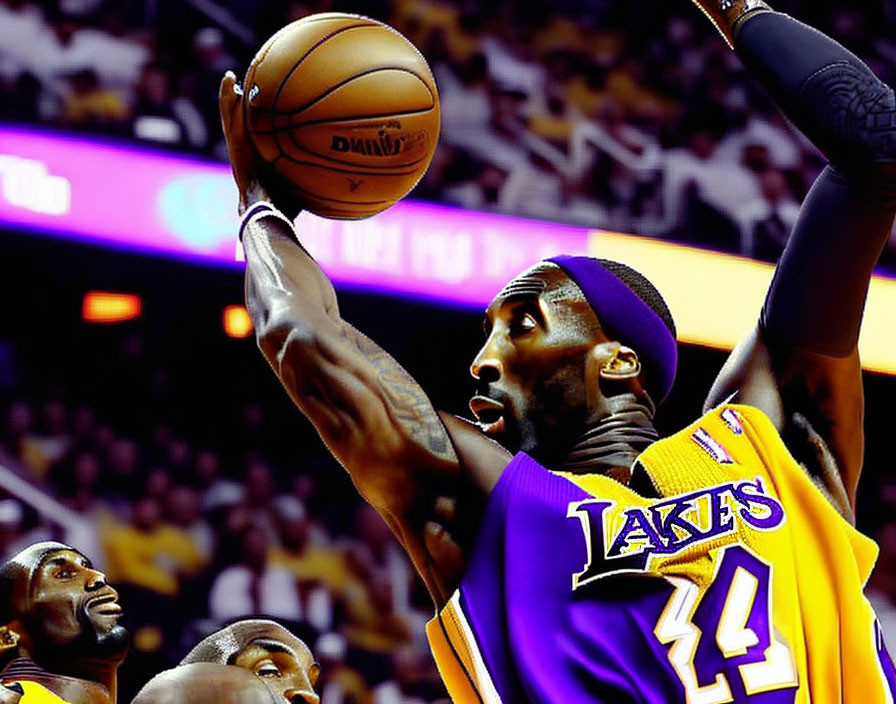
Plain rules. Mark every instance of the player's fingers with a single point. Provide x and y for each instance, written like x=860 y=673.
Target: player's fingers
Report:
x=446 y=554
x=229 y=96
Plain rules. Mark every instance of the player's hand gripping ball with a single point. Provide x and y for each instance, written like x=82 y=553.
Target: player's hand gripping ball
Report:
x=345 y=110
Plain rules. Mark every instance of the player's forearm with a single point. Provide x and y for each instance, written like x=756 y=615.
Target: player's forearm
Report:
x=280 y=272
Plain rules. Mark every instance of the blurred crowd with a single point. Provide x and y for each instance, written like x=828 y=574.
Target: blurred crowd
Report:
x=629 y=116
x=196 y=534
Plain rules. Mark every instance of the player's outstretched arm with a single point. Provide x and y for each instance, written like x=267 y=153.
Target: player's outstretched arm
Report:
x=423 y=472
x=801 y=366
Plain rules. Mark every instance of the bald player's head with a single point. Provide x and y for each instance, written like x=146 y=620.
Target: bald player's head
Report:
x=61 y=609
x=270 y=652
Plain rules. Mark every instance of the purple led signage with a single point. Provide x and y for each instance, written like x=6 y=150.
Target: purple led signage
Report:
x=141 y=199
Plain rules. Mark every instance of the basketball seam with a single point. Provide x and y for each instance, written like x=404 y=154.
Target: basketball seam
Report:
x=324 y=120
x=299 y=61
x=304 y=56
x=295 y=111
x=300 y=162
x=337 y=200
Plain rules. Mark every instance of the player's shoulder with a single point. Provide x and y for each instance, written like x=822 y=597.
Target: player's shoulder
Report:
x=725 y=425
x=728 y=443
x=734 y=416
x=739 y=424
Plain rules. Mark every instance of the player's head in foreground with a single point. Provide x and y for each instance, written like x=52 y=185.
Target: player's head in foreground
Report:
x=271 y=653
x=571 y=342
x=60 y=612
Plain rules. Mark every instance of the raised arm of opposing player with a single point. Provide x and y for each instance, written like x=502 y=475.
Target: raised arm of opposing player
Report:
x=423 y=471
x=801 y=365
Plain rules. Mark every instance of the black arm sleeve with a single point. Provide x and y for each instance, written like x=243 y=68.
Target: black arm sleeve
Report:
x=817 y=297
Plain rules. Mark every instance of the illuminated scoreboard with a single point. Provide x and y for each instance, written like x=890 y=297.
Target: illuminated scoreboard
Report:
x=135 y=198
x=142 y=199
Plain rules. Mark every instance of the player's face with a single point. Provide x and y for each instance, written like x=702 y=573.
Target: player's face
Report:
x=530 y=373
x=70 y=603
x=287 y=669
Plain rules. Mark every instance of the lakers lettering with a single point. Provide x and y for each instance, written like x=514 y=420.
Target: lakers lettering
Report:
x=624 y=538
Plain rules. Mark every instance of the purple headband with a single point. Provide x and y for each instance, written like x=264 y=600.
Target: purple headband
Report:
x=622 y=311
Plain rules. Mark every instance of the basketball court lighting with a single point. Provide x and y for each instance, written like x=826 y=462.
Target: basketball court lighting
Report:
x=716 y=298
x=237 y=322
x=109 y=307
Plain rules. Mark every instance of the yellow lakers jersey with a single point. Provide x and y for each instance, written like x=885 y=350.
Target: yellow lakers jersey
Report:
x=741 y=584
x=34 y=693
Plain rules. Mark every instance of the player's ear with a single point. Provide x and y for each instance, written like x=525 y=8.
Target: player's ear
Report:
x=621 y=365
x=9 y=637
x=609 y=361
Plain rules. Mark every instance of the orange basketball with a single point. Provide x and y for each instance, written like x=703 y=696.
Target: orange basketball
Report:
x=345 y=109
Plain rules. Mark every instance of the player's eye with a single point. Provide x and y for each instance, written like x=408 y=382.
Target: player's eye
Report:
x=64 y=573
x=523 y=323
x=267 y=669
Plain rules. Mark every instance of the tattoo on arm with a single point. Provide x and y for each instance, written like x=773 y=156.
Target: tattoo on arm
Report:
x=411 y=406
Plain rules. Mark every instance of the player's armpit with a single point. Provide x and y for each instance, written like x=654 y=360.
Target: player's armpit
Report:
x=814 y=400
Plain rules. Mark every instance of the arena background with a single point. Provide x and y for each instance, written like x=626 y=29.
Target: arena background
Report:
x=163 y=446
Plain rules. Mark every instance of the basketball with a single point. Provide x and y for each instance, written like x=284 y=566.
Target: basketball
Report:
x=345 y=109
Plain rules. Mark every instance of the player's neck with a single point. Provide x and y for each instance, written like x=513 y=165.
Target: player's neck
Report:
x=611 y=444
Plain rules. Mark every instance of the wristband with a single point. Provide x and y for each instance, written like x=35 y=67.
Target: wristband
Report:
x=259 y=207
x=262 y=209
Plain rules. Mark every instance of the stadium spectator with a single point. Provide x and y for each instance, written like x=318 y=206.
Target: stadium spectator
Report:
x=18 y=423
x=321 y=570
x=149 y=555
x=766 y=222
x=253 y=586
x=158 y=116
x=182 y=511
x=260 y=490
x=374 y=630
x=414 y=681
x=339 y=683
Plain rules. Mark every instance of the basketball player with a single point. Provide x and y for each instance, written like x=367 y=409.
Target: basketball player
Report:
x=62 y=639
x=248 y=661
x=600 y=563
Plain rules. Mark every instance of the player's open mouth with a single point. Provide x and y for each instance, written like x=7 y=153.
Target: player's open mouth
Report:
x=489 y=414
x=105 y=604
